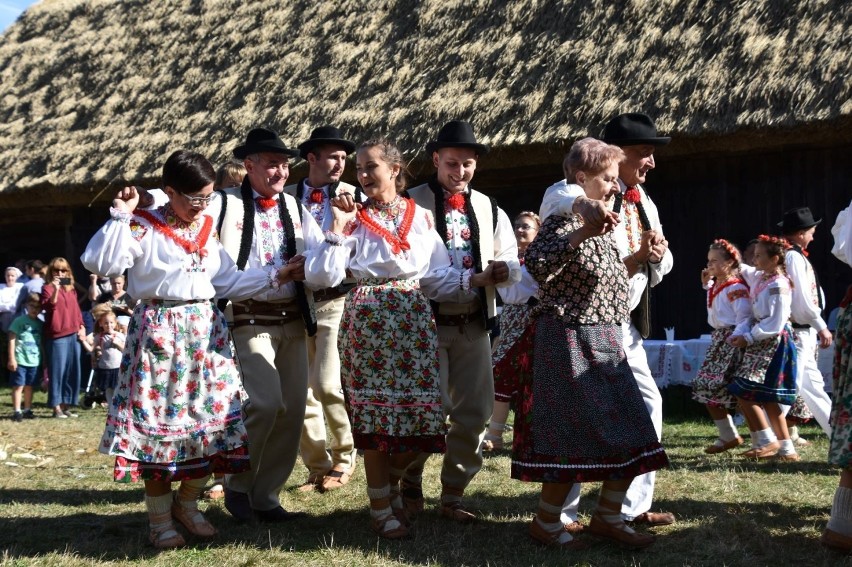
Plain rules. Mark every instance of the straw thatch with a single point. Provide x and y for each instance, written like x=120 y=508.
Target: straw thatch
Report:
x=96 y=92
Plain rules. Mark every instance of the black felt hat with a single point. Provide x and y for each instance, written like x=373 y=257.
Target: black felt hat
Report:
x=632 y=129
x=322 y=136
x=456 y=134
x=797 y=219
x=260 y=140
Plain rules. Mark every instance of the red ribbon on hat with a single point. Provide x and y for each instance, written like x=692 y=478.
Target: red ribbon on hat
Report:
x=266 y=203
x=456 y=202
x=316 y=196
x=632 y=195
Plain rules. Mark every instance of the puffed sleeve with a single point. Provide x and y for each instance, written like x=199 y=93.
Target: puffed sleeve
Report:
x=325 y=265
x=842 y=233
x=741 y=303
x=506 y=248
x=238 y=285
x=666 y=263
x=113 y=249
x=522 y=291
x=441 y=283
x=559 y=199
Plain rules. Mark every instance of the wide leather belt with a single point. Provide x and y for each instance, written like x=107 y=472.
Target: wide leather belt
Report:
x=457 y=320
x=252 y=307
x=330 y=293
x=799 y=326
x=289 y=317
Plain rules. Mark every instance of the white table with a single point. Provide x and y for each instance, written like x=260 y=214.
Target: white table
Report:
x=676 y=362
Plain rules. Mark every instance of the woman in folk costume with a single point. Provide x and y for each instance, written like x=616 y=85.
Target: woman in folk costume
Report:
x=175 y=415
x=766 y=376
x=581 y=416
x=518 y=301
x=388 y=339
x=728 y=307
x=838 y=532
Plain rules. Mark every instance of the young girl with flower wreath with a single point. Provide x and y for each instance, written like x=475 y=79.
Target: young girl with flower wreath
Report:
x=176 y=411
x=388 y=340
x=728 y=307
x=766 y=376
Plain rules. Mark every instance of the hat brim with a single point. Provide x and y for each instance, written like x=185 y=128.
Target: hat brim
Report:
x=658 y=141
x=803 y=227
x=308 y=145
x=242 y=152
x=480 y=149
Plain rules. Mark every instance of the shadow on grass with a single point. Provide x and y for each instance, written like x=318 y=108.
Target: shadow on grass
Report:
x=716 y=533
x=78 y=497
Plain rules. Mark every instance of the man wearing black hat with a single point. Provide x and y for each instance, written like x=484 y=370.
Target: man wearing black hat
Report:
x=483 y=250
x=798 y=228
x=637 y=136
x=325 y=152
x=262 y=226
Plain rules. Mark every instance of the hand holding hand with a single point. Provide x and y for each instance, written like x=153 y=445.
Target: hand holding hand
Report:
x=738 y=341
x=294 y=271
x=126 y=200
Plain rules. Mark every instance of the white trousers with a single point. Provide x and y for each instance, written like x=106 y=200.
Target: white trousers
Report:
x=811 y=383
x=641 y=491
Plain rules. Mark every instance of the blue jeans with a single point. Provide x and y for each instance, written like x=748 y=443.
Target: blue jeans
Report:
x=64 y=370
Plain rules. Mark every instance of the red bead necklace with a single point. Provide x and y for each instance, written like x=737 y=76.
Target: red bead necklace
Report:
x=188 y=245
x=398 y=241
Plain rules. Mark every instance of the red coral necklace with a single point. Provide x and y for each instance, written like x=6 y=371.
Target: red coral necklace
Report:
x=189 y=246
x=398 y=241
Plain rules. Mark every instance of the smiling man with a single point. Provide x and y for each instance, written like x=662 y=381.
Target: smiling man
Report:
x=328 y=467
x=483 y=250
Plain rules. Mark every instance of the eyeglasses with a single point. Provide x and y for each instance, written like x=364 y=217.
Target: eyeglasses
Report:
x=199 y=201
x=523 y=227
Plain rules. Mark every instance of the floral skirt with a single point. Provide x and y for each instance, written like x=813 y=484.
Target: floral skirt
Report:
x=767 y=372
x=514 y=321
x=799 y=411
x=388 y=346
x=581 y=417
x=176 y=410
x=840 y=449
x=711 y=384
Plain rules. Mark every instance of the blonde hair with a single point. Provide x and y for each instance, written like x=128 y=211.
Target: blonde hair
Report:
x=100 y=311
x=52 y=267
x=229 y=174
x=529 y=214
x=590 y=156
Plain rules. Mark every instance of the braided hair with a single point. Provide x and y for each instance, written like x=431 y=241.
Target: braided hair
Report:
x=775 y=246
x=729 y=251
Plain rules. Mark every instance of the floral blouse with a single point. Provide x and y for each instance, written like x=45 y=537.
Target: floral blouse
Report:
x=586 y=286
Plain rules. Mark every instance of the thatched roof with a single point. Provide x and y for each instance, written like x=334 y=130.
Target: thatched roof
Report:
x=95 y=92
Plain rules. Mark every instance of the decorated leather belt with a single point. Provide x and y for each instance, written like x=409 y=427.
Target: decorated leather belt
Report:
x=457 y=320
x=273 y=314
x=330 y=293
x=173 y=302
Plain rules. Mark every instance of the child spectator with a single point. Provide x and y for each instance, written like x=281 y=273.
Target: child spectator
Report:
x=25 y=353
x=106 y=345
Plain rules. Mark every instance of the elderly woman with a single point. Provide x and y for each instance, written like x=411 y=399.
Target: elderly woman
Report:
x=388 y=340
x=176 y=411
x=582 y=418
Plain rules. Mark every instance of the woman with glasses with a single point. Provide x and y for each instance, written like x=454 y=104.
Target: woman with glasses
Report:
x=518 y=301
x=176 y=410
x=63 y=329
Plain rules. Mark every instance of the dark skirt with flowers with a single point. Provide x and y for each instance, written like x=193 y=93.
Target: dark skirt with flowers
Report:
x=176 y=410
x=388 y=346
x=509 y=364
x=840 y=449
x=710 y=386
x=581 y=417
x=767 y=373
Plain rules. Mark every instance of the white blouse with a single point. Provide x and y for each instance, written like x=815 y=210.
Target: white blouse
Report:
x=159 y=268
x=771 y=306
x=368 y=255
x=842 y=233
x=731 y=308
x=521 y=292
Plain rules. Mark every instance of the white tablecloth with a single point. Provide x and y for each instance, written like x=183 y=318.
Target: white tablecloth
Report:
x=676 y=362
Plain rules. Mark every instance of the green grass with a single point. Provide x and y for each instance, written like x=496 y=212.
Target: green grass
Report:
x=62 y=508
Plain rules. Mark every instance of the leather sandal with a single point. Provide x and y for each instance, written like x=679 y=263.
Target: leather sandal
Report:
x=600 y=528
x=653 y=519
x=836 y=541
x=764 y=452
x=336 y=478
x=492 y=443
x=314 y=482
x=725 y=446
x=551 y=539
x=412 y=497
x=193 y=520
x=380 y=527
x=457 y=512
x=166 y=537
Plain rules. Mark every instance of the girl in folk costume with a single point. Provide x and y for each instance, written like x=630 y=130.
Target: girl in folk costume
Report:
x=767 y=373
x=175 y=415
x=388 y=340
x=728 y=307
x=518 y=301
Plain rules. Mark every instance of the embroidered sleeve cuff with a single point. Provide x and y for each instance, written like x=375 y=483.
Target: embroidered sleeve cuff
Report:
x=464 y=279
x=272 y=277
x=119 y=216
x=333 y=238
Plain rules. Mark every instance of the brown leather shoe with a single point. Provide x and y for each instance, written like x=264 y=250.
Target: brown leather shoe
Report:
x=457 y=512
x=652 y=519
x=626 y=540
x=381 y=527
x=337 y=477
x=837 y=541
x=574 y=528
x=551 y=539
x=764 y=452
x=314 y=482
x=726 y=446
x=412 y=498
